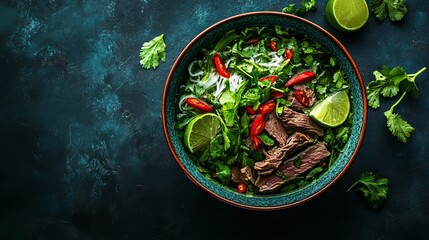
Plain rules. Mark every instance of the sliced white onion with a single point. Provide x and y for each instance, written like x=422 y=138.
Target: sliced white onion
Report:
x=275 y=62
x=198 y=73
x=211 y=81
x=235 y=81
x=220 y=86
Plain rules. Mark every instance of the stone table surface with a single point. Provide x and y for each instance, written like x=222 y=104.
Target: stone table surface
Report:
x=82 y=149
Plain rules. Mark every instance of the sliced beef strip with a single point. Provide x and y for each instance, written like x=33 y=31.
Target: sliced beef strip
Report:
x=274 y=158
x=296 y=105
x=299 y=122
x=268 y=183
x=236 y=174
x=247 y=175
x=309 y=158
x=275 y=128
x=242 y=175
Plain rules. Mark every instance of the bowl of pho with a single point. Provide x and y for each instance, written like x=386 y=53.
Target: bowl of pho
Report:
x=264 y=110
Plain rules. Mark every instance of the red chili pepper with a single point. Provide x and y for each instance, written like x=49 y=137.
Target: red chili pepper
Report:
x=302 y=98
x=256 y=143
x=301 y=78
x=323 y=164
x=289 y=53
x=251 y=41
x=193 y=102
x=271 y=78
x=257 y=126
x=266 y=108
x=220 y=66
x=241 y=188
x=250 y=110
x=273 y=45
x=275 y=94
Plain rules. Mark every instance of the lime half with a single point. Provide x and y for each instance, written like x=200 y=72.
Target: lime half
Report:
x=200 y=131
x=333 y=110
x=347 y=15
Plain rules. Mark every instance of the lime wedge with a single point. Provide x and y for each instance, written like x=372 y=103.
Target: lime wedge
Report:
x=333 y=110
x=200 y=131
x=347 y=15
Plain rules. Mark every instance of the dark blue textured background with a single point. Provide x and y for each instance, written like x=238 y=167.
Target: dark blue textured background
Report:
x=82 y=150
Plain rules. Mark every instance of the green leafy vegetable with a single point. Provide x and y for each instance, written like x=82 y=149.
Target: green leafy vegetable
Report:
x=400 y=128
x=267 y=140
x=152 y=52
x=223 y=172
x=306 y=5
x=395 y=9
x=373 y=188
x=388 y=83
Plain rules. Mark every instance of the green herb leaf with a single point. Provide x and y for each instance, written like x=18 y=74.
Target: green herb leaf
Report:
x=388 y=83
x=267 y=140
x=152 y=52
x=399 y=128
x=306 y=5
x=223 y=172
x=410 y=86
x=216 y=147
x=373 y=188
x=251 y=98
x=395 y=9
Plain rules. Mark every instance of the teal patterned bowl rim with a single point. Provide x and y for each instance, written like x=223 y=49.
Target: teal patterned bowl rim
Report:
x=281 y=200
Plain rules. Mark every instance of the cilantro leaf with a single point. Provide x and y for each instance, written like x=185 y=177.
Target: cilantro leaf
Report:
x=373 y=94
x=373 y=188
x=400 y=128
x=410 y=86
x=289 y=8
x=152 y=52
x=267 y=140
x=395 y=9
x=388 y=83
x=223 y=172
x=306 y=5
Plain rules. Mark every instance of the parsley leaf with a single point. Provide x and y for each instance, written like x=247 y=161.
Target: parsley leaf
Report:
x=400 y=128
x=306 y=5
x=373 y=188
x=396 y=9
x=152 y=52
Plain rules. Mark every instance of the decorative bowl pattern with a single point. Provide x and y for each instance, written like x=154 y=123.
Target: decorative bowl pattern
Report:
x=273 y=201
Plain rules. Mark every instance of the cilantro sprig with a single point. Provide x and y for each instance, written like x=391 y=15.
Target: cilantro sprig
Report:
x=388 y=83
x=373 y=188
x=152 y=52
x=395 y=9
x=306 y=5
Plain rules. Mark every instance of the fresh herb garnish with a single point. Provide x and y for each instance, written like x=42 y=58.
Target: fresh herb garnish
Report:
x=389 y=82
x=395 y=9
x=152 y=52
x=373 y=188
x=306 y=5
x=396 y=124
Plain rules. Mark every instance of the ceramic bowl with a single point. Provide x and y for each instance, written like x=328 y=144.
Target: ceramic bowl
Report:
x=273 y=201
